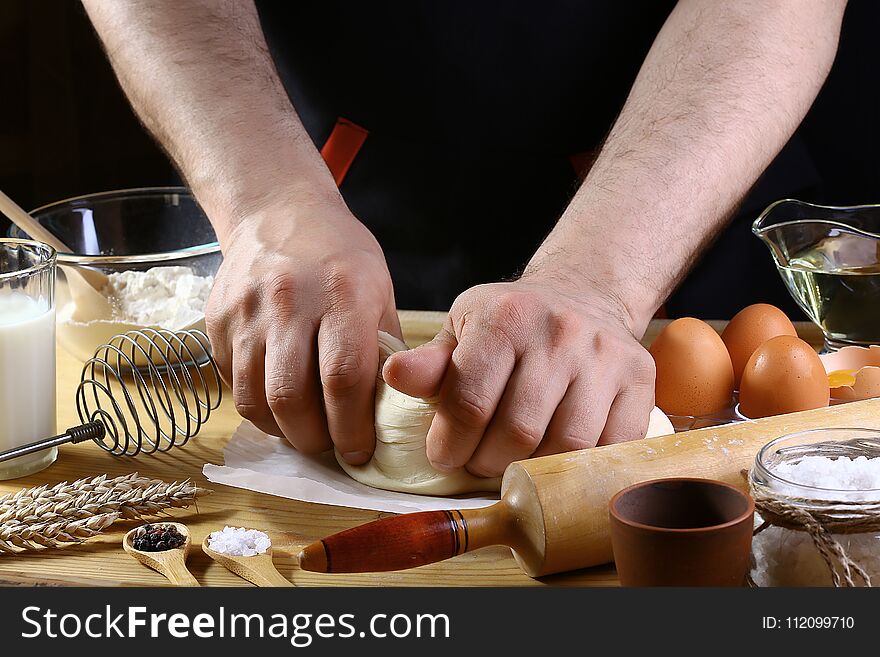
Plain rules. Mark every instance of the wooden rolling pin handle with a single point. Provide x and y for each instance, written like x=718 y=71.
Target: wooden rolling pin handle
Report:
x=401 y=542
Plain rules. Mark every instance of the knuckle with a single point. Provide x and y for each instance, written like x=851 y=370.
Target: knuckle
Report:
x=571 y=442
x=523 y=435
x=644 y=370
x=281 y=289
x=471 y=407
x=624 y=434
x=246 y=403
x=339 y=286
x=249 y=409
x=571 y=439
x=284 y=398
x=215 y=323
x=282 y=283
x=511 y=309
x=218 y=312
x=483 y=470
x=562 y=327
x=464 y=300
x=580 y=431
x=600 y=342
x=342 y=371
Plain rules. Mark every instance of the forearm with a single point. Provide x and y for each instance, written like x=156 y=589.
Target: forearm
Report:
x=721 y=91
x=200 y=77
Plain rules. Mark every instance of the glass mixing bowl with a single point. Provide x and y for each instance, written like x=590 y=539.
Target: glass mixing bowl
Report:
x=125 y=230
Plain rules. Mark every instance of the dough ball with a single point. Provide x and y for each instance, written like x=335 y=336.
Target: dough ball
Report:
x=400 y=461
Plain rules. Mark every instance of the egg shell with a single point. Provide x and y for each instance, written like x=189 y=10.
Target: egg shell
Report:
x=783 y=375
x=694 y=373
x=749 y=329
x=866 y=363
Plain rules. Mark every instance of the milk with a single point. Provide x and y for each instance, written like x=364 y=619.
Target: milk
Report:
x=27 y=380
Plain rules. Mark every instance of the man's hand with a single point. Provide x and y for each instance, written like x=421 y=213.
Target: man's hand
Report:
x=720 y=92
x=304 y=285
x=296 y=305
x=528 y=368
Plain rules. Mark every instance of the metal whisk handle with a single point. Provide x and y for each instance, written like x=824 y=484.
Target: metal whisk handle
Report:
x=89 y=431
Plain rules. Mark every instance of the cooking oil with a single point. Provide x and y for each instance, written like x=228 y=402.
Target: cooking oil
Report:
x=837 y=283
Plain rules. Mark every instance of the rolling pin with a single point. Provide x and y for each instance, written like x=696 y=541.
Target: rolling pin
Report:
x=553 y=511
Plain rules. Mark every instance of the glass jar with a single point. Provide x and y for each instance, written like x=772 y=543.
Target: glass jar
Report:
x=783 y=556
x=27 y=353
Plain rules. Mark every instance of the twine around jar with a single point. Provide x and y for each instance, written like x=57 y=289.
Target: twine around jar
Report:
x=821 y=519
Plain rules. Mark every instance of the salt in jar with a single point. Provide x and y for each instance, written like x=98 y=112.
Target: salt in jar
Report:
x=829 y=476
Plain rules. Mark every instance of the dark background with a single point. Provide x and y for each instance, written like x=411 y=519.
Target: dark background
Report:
x=65 y=126
x=66 y=129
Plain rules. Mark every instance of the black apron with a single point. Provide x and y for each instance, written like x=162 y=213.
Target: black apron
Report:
x=473 y=112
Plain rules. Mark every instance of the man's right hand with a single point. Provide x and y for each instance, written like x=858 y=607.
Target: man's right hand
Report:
x=293 y=318
x=304 y=285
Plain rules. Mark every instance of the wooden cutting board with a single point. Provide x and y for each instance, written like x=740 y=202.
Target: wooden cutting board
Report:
x=291 y=524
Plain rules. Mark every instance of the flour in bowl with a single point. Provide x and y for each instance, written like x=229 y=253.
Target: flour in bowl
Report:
x=172 y=298
x=167 y=297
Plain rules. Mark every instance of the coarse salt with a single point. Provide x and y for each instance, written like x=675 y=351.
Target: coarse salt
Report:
x=842 y=473
x=785 y=557
x=239 y=542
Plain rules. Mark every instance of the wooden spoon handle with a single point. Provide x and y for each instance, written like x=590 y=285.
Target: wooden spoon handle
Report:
x=31 y=226
x=401 y=542
x=269 y=578
x=181 y=577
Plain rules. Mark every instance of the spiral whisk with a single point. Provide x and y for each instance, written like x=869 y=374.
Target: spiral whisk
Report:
x=144 y=391
x=151 y=389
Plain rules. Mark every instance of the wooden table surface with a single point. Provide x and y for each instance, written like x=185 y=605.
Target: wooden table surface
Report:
x=101 y=561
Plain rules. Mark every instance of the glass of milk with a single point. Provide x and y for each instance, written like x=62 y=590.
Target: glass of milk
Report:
x=27 y=352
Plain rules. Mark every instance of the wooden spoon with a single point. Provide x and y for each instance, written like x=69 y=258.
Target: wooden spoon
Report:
x=171 y=563
x=257 y=569
x=85 y=284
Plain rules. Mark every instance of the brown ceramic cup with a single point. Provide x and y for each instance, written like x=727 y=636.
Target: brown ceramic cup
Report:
x=682 y=532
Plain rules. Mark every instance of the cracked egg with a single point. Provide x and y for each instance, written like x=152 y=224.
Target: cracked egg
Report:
x=853 y=372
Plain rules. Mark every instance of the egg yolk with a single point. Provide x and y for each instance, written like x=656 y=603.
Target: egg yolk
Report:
x=839 y=378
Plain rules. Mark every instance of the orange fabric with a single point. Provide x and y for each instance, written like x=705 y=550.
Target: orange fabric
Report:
x=342 y=146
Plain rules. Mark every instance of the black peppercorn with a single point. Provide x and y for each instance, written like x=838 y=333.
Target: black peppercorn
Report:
x=157 y=538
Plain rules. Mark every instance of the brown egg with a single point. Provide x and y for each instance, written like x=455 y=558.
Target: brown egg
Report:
x=749 y=329
x=783 y=375
x=694 y=374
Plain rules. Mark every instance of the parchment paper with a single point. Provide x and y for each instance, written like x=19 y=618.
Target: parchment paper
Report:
x=267 y=464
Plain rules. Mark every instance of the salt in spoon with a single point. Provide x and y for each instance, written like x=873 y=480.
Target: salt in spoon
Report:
x=171 y=563
x=257 y=569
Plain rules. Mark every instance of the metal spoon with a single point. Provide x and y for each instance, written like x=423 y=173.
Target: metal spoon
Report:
x=170 y=563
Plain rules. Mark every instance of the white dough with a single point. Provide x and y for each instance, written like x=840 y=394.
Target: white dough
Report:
x=659 y=424
x=400 y=461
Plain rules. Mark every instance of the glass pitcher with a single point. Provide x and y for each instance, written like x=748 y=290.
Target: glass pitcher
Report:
x=829 y=259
